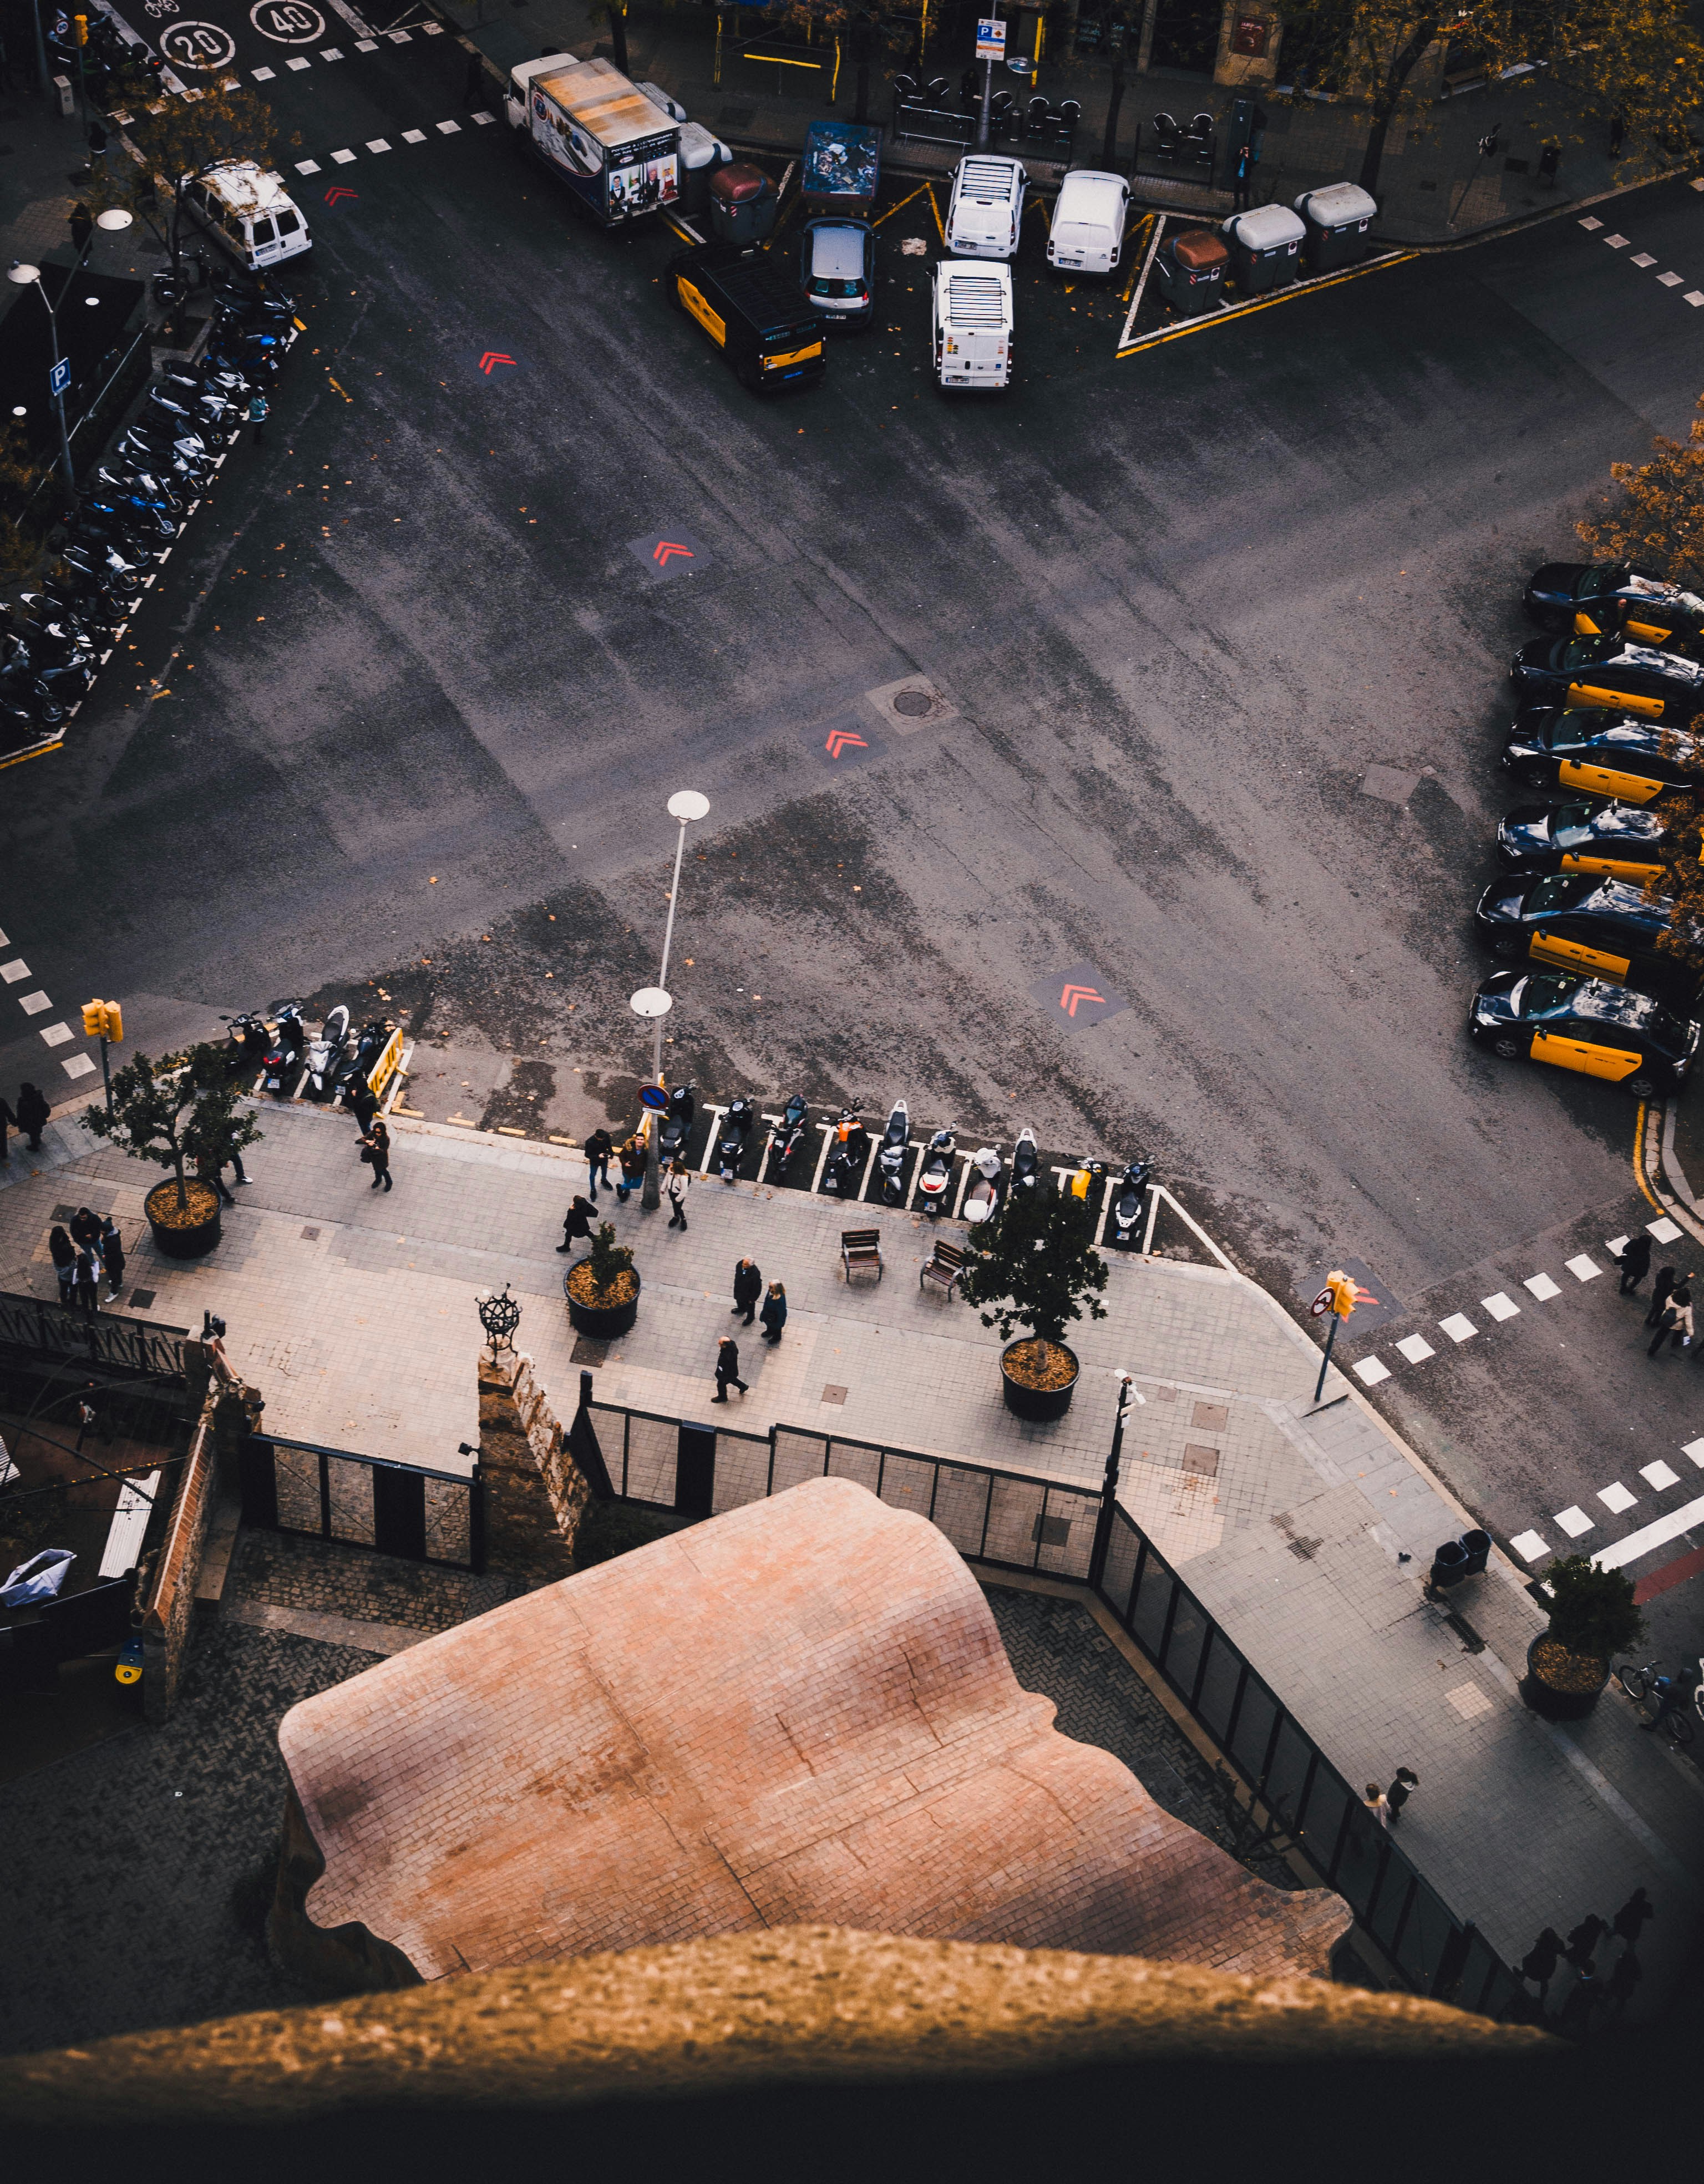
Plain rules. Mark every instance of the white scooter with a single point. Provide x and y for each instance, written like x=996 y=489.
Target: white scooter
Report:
x=325 y=1056
x=938 y=1171
x=981 y=1199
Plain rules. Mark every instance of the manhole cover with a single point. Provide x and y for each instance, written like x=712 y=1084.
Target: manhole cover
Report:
x=913 y=702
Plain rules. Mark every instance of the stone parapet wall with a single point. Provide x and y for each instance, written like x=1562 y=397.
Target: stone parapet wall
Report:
x=535 y=1494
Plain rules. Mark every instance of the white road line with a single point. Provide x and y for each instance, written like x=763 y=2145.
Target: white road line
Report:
x=414 y=136
x=307 y=166
x=1592 y=226
x=79 y=1066
x=1573 y=1520
x=1618 y=242
x=1617 y=1499
x=263 y=75
x=13 y=971
x=1458 y=1326
x=58 y=1034
x=1669 y=280
x=482 y=119
x=1664 y=1230
x=342 y=159
x=298 y=63
x=1542 y=1287
x=1500 y=1307
x=1530 y=1546
x=1416 y=1349
x=377 y=144
x=1643 y=260
x=331 y=53
x=1370 y=1370
x=1695 y=297
x=1694 y=1449
x=1584 y=1269
x=1659 y=1474
x=33 y=1005
x=449 y=128
x=1652 y=1537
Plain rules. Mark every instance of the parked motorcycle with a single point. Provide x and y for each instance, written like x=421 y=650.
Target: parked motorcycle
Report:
x=325 y=1056
x=737 y=1127
x=842 y=1176
x=936 y=1176
x=283 y=1062
x=1127 y=1206
x=1087 y=1186
x=359 y=1064
x=1026 y=1163
x=677 y=1124
x=785 y=1137
x=247 y=1043
x=986 y=1187
x=890 y=1162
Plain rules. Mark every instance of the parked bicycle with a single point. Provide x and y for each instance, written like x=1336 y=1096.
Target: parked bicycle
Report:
x=1650 y=1685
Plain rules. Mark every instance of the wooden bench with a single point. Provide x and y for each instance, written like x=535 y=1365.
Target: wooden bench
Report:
x=860 y=1251
x=944 y=1269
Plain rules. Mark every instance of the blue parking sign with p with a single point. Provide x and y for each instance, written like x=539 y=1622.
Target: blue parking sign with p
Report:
x=59 y=378
x=990 y=41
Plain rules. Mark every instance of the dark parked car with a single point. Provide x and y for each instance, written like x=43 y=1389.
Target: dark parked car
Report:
x=1577 y=921
x=1584 y=1024
x=1626 y=841
x=1609 y=670
x=1592 y=598
x=1602 y=753
x=837 y=270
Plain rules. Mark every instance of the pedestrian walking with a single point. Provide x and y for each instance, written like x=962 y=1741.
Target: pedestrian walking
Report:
x=599 y=1148
x=1629 y=1922
x=87 y=1419
x=1623 y=1979
x=726 y=1369
x=88 y=1282
x=86 y=1228
x=113 y=1258
x=1676 y=1322
x=211 y=1172
x=576 y=1223
x=679 y=1183
x=375 y=1151
x=1540 y=1962
x=9 y=1121
x=363 y=1104
x=1550 y=159
x=631 y=1158
x=747 y=1288
x=1378 y=1804
x=1584 y=1939
x=1617 y=135
x=473 y=89
x=774 y=1312
x=33 y=1115
x=64 y=1253
x=1396 y=1796
x=1666 y=1278
x=1243 y=176
x=82 y=227
x=258 y=408
x=1574 y=2017
x=1635 y=1263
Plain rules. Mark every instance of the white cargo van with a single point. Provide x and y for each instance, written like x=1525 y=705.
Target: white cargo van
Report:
x=971 y=316
x=986 y=207
x=250 y=211
x=1088 y=229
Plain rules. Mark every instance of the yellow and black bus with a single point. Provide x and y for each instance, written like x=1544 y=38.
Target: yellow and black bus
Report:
x=754 y=315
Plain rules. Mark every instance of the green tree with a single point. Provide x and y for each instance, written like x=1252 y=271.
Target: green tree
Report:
x=20 y=520
x=1037 y=1268
x=1658 y=516
x=1592 y=1610
x=184 y=1108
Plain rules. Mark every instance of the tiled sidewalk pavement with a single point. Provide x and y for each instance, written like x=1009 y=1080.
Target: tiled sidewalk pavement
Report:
x=1288 y=1523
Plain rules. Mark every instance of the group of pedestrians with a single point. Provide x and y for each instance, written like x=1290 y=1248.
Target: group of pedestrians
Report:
x=1597 y=1984
x=30 y=1117
x=1671 y=1313
x=1386 y=1805
x=94 y=1249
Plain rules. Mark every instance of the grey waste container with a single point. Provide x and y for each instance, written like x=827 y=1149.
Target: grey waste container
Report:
x=1337 y=220
x=1191 y=270
x=1449 y=1564
x=1264 y=244
x=701 y=154
x=742 y=204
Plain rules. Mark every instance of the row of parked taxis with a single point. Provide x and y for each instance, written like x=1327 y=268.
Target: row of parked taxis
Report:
x=1610 y=707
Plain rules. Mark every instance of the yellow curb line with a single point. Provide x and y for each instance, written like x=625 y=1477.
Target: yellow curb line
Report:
x=1266 y=303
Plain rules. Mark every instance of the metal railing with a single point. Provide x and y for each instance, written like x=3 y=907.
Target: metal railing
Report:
x=1011 y=1520
x=362 y=1501
x=915 y=123
x=115 y=1345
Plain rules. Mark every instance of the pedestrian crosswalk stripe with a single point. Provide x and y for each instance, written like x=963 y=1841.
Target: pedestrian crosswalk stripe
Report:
x=307 y=166
x=1659 y=1474
x=1416 y=1349
x=1458 y=1326
x=1500 y=1307
x=1617 y=1498
x=1573 y=1521
x=1584 y=1269
x=1370 y=1370
x=1530 y=1546
x=1542 y=1287
x=1664 y=1231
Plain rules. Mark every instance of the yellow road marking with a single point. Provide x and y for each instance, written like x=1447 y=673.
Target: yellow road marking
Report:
x=1138 y=243
x=936 y=209
x=41 y=750
x=1639 y=1156
x=1266 y=303
x=900 y=207
x=347 y=398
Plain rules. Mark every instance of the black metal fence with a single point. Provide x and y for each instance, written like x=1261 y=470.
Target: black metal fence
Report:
x=394 y=1508
x=114 y=1345
x=1053 y=140
x=1015 y=1521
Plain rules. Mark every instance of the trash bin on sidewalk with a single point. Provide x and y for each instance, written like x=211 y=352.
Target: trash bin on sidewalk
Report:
x=1191 y=268
x=1477 y=1545
x=701 y=155
x=1449 y=1564
x=1337 y=220
x=1264 y=245
x=743 y=203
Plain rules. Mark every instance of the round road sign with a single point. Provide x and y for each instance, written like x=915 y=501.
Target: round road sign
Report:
x=1321 y=1305
x=654 y=1097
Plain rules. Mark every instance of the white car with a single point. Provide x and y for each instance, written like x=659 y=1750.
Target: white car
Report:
x=986 y=207
x=250 y=211
x=1089 y=216
x=972 y=324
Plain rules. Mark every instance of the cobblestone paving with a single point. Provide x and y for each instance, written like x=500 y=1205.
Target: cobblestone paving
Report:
x=1057 y=1648
x=324 y=1577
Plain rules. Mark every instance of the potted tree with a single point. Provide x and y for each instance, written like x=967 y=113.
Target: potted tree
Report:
x=603 y=1289
x=1036 y=1270
x=171 y=1112
x=1592 y=1617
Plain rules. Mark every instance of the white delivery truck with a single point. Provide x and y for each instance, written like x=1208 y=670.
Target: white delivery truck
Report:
x=617 y=150
x=971 y=314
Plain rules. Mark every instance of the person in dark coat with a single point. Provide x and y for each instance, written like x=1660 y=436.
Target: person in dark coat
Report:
x=1540 y=1962
x=1666 y=1278
x=88 y=1282
x=1629 y=1922
x=86 y=1228
x=1635 y=1262
x=633 y=1159
x=34 y=1115
x=113 y=1258
x=377 y=1145
x=726 y=1369
x=576 y=1223
x=211 y=1173
x=1396 y=1796
x=1676 y=1322
x=9 y=1121
x=362 y=1102
x=747 y=1288
x=774 y=1312
x=1584 y=1939
x=64 y=1255
x=600 y=1148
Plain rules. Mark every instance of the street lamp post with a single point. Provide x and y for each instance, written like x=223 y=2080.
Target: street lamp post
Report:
x=23 y=276
x=653 y=1003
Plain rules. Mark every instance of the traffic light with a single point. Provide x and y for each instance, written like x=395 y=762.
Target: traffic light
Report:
x=115 y=1030
x=103 y=1020
x=1343 y=1293
x=80 y=28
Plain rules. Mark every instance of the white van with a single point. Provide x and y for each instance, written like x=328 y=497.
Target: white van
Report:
x=986 y=207
x=970 y=320
x=1088 y=230
x=250 y=211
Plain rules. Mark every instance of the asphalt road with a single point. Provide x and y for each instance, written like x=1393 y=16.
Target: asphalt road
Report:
x=423 y=691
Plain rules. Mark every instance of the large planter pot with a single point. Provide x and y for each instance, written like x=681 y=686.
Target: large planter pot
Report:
x=1039 y=1406
x=181 y=1232
x=602 y=1322
x=1560 y=1684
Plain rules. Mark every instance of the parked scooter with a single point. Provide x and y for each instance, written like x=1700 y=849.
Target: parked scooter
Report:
x=890 y=1162
x=1026 y=1163
x=1127 y=1206
x=677 y=1124
x=986 y=1188
x=936 y=1171
x=1087 y=1185
x=283 y=1063
x=738 y=1127
x=843 y=1175
x=325 y=1056
x=359 y=1064
x=785 y=1137
x=246 y=1044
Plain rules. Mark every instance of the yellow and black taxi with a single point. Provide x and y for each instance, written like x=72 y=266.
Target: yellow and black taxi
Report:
x=1587 y=1025
x=1607 y=599
x=755 y=316
x=1610 y=672
x=1626 y=841
x=1604 y=928
x=1601 y=753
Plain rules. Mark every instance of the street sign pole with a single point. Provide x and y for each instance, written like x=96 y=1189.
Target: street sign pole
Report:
x=990 y=47
x=1325 y=1362
x=58 y=379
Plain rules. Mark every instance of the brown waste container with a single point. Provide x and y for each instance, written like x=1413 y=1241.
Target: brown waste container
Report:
x=743 y=203
x=1191 y=268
